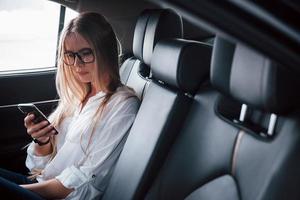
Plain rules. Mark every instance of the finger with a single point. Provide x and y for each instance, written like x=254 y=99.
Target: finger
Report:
x=28 y=120
x=36 y=127
x=45 y=131
x=50 y=133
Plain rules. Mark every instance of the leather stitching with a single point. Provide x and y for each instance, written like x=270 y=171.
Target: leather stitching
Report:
x=235 y=151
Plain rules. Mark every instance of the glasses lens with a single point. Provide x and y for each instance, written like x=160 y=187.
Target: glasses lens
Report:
x=69 y=58
x=86 y=55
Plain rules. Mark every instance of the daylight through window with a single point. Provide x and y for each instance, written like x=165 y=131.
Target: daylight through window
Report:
x=28 y=34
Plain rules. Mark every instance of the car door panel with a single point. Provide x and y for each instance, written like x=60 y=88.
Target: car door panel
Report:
x=36 y=87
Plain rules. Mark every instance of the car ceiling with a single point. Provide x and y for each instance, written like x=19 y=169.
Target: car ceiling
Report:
x=245 y=21
x=123 y=15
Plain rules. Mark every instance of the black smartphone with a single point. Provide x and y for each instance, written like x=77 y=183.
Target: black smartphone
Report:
x=27 y=108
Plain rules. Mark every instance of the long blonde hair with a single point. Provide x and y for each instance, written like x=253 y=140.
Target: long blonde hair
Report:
x=95 y=29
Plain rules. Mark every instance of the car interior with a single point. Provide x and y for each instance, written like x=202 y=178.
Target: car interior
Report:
x=219 y=117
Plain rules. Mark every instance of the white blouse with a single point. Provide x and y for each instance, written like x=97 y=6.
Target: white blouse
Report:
x=86 y=165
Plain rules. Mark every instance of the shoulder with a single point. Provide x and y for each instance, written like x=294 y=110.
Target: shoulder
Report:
x=124 y=99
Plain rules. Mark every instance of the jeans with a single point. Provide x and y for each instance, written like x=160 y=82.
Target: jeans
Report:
x=9 y=186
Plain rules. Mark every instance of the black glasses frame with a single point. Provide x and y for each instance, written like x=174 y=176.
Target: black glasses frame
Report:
x=79 y=55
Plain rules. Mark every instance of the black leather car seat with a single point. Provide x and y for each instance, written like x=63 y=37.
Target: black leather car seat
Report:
x=245 y=157
x=177 y=73
x=152 y=25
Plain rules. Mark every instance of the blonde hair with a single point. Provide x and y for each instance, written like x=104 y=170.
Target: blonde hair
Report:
x=95 y=29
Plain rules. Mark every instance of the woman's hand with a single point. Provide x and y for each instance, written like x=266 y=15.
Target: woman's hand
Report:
x=40 y=131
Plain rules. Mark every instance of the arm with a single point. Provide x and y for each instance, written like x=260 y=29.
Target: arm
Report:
x=51 y=189
x=107 y=142
x=38 y=156
x=34 y=161
x=79 y=179
x=41 y=131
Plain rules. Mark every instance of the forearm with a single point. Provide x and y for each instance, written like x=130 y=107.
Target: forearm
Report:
x=41 y=133
x=51 y=189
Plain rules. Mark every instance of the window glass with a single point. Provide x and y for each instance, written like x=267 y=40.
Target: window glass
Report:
x=28 y=34
x=70 y=14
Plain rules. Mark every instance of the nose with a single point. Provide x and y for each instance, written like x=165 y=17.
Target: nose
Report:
x=77 y=61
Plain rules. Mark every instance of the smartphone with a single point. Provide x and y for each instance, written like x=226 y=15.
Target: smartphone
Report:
x=27 y=108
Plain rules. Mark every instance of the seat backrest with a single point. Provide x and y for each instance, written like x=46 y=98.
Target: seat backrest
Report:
x=160 y=116
x=215 y=157
x=152 y=25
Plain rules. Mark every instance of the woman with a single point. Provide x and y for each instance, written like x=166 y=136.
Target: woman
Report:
x=93 y=118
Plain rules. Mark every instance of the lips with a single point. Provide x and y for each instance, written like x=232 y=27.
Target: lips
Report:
x=82 y=73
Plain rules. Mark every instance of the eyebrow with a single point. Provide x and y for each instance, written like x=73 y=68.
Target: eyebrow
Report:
x=86 y=48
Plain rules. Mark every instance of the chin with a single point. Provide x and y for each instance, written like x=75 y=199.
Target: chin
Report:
x=84 y=79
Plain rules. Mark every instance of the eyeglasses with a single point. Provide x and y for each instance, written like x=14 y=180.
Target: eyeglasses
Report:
x=85 y=55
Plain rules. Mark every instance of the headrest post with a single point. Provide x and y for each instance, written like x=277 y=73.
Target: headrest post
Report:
x=272 y=123
x=243 y=112
x=260 y=82
x=150 y=74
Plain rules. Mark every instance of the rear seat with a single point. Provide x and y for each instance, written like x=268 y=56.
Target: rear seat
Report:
x=177 y=73
x=152 y=26
x=216 y=158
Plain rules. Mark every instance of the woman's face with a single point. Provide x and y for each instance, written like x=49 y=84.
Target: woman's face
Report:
x=80 y=56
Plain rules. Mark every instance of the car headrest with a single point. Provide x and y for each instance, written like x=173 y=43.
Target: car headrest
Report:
x=181 y=63
x=252 y=78
x=152 y=26
x=221 y=62
x=262 y=83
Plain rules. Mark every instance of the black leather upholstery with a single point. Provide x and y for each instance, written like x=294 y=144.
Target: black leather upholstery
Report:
x=222 y=56
x=190 y=71
x=236 y=69
x=268 y=85
x=221 y=188
x=139 y=34
x=150 y=28
x=158 y=121
x=217 y=158
x=269 y=168
x=161 y=24
x=201 y=153
x=159 y=118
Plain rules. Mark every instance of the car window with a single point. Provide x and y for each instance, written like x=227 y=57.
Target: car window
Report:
x=29 y=34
